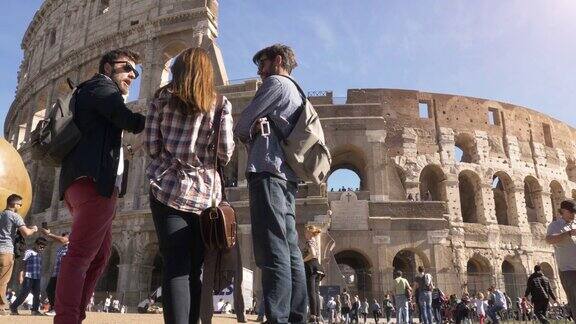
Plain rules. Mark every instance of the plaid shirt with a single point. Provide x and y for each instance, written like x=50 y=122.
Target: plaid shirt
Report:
x=33 y=264
x=181 y=170
x=59 y=254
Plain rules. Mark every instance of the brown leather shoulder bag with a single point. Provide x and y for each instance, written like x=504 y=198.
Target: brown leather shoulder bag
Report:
x=218 y=223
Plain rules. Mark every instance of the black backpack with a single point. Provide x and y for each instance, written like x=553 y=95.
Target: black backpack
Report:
x=56 y=135
x=19 y=245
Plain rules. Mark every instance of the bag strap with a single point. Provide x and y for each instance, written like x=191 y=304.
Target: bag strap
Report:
x=217 y=125
x=298 y=111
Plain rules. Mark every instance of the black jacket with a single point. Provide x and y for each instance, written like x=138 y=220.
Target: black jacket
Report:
x=539 y=287
x=101 y=115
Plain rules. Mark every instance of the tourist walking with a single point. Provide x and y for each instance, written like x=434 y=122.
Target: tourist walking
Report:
x=346 y=306
x=30 y=277
x=60 y=252
x=10 y=222
x=438 y=300
x=90 y=178
x=538 y=286
x=272 y=185
x=331 y=306
x=497 y=303
x=180 y=142
x=355 y=311
x=562 y=235
x=402 y=293
x=376 y=311
x=388 y=306
x=480 y=305
x=364 y=307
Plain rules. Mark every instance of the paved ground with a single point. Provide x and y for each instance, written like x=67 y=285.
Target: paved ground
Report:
x=104 y=318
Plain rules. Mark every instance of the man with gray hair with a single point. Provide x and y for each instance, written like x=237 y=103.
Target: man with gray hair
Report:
x=562 y=235
x=272 y=185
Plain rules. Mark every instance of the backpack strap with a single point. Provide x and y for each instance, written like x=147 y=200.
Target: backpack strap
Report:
x=298 y=111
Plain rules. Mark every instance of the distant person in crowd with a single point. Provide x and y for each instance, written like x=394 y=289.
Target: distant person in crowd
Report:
x=144 y=305
x=538 y=286
x=179 y=142
x=108 y=304
x=346 y=306
x=562 y=235
x=424 y=288
x=311 y=255
x=355 y=311
x=388 y=306
x=30 y=277
x=480 y=305
x=10 y=222
x=376 y=311
x=331 y=306
x=498 y=303
x=463 y=312
x=91 y=177
x=364 y=307
x=60 y=252
x=438 y=299
x=402 y=293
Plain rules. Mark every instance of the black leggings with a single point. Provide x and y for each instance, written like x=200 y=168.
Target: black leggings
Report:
x=182 y=252
x=312 y=287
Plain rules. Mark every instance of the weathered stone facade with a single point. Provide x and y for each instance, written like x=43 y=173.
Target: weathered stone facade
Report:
x=478 y=219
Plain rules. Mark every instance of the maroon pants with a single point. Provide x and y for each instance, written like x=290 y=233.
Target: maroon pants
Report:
x=88 y=251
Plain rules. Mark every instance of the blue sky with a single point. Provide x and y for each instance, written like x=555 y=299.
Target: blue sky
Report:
x=518 y=51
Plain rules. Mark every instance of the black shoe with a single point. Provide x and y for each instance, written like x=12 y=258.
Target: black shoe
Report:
x=37 y=313
x=14 y=311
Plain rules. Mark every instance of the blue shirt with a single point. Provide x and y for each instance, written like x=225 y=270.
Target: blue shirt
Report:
x=59 y=254
x=279 y=99
x=33 y=264
x=9 y=223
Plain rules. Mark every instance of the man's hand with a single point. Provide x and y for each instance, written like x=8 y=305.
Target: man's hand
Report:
x=21 y=277
x=34 y=228
x=45 y=231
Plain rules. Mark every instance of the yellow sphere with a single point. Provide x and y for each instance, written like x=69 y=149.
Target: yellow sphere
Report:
x=14 y=178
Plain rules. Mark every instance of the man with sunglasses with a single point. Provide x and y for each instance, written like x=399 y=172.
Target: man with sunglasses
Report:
x=30 y=277
x=90 y=179
x=562 y=235
x=10 y=221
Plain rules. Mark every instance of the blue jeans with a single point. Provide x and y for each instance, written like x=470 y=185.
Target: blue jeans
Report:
x=29 y=285
x=276 y=252
x=425 y=300
x=493 y=313
x=401 y=309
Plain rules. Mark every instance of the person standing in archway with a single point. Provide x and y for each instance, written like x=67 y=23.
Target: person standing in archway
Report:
x=562 y=235
x=403 y=293
x=311 y=254
x=424 y=288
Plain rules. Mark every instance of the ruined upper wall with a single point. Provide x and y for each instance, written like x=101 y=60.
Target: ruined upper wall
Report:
x=501 y=123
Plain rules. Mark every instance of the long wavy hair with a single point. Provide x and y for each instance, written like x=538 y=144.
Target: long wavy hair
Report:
x=192 y=86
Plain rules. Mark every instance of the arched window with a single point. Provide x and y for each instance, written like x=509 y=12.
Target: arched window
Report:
x=109 y=280
x=504 y=201
x=557 y=195
x=432 y=185
x=343 y=179
x=533 y=200
x=465 y=148
x=479 y=274
x=470 y=197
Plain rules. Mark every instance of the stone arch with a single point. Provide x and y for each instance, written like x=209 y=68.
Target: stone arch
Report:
x=408 y=260
x=479 y=274
x=504 y=199
x=352 y=158
x=108 y=282
x=356 y=269
x=467 y=144
x=513 y=277
x=557 y=195
x=470 y=188
x=432 y=183
x=533 y=200
x=548 y=271
x=168 y=53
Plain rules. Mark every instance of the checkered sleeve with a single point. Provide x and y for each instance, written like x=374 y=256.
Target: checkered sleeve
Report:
x=226 y=146
x=152 y=133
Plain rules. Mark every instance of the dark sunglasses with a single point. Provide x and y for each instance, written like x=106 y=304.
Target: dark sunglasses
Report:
x=127 y=67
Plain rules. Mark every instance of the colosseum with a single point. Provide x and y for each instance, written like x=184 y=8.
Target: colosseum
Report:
x=463 y=186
